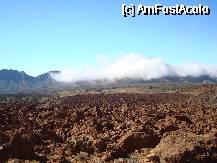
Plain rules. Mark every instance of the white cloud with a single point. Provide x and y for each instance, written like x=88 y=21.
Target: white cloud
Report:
x=134 y=66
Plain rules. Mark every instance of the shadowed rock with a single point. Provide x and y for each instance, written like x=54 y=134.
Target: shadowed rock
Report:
x=19 y=148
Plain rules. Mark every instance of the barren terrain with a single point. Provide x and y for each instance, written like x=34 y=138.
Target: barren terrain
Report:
x=122 y=125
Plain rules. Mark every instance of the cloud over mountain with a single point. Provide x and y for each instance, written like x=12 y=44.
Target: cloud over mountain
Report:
x=137 y=67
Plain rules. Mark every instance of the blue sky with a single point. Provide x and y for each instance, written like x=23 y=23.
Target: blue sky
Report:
x=41 y=35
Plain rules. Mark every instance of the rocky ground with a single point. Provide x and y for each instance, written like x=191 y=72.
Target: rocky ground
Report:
x=115 y=127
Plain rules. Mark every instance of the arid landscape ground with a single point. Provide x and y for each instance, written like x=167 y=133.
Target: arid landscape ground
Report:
x=155 y=124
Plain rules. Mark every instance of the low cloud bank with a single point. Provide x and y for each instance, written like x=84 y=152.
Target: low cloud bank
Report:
x=136 y=67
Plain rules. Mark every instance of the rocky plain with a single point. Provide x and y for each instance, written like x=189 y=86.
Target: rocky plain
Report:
x=123 y=125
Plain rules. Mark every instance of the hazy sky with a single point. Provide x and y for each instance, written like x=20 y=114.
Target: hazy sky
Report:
x=41 y=35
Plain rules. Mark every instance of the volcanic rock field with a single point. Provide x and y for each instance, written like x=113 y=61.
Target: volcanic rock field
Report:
x=170 y=127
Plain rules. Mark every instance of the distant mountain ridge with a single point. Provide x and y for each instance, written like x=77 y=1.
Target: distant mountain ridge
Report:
x=14 y=75
x=13 y=81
